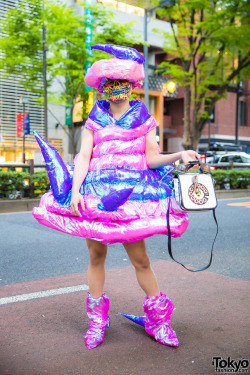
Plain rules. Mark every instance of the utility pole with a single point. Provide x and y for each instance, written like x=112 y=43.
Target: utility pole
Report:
x=145 y=52
x=45 y=49
x=238 y=93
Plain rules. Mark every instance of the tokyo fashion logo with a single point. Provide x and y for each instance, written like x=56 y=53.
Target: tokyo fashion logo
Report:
x=230 y=366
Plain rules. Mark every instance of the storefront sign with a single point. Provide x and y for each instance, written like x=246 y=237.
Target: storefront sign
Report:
x=68 y=119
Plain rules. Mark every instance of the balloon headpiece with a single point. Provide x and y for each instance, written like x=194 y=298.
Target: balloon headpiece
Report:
x=127 y=65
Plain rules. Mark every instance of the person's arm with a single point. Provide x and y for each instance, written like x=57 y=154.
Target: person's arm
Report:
x=81 y=170
x=156 y=160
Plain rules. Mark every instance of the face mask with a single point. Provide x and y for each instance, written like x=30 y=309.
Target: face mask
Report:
x=117 y=90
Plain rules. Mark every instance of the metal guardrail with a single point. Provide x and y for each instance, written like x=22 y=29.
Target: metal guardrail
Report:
x=29 y=165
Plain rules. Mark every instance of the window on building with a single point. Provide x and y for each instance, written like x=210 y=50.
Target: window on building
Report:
x=123 y=7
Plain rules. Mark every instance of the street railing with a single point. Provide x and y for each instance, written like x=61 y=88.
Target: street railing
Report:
x=29 y=165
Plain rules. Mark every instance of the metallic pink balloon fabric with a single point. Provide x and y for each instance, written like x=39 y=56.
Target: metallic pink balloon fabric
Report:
x=158 y=317
x=132 y=222
x=114 y=68
x=97 y=311
x=118 y=165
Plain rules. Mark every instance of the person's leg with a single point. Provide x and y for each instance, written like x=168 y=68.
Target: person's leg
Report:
x=97 y=302
x=138 y=256
x=96 y=270
x=157 y=306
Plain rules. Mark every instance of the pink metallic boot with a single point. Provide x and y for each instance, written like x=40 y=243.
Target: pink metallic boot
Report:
x=158 y=317
x=97 y=311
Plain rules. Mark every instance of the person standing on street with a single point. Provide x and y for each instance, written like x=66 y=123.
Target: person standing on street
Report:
x=120 y=192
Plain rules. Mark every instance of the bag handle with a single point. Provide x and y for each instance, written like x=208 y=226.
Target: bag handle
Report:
x=192 y=163
x=184 y=168
x=170 y=247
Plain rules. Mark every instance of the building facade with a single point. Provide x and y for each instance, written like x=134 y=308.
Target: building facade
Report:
x=167 y=107
x=12 y=94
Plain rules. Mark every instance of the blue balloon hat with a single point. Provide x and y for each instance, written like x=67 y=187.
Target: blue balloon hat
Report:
x=120 y=52
x=58 y=173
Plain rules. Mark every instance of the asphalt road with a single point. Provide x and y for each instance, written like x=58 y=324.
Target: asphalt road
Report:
x=30 y=251
x=43 y=288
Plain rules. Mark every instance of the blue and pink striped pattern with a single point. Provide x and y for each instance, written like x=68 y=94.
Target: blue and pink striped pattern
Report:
x=125 y=200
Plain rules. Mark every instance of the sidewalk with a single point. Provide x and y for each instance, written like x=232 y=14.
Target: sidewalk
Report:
x=46 y=335
x=22 y=205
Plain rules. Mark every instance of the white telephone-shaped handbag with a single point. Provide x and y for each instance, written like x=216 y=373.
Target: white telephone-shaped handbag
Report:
x=194 y=192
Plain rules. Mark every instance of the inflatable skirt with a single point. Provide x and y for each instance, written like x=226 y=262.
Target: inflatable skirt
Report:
x=122 y=204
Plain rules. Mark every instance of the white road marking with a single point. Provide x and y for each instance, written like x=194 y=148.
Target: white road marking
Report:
x=43 y=294
x=17 y=212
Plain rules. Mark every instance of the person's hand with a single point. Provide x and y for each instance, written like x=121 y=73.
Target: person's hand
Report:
x=189 y=155
x=76 y=198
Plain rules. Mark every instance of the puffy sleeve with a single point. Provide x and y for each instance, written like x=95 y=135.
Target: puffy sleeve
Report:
x=150 y=124
x=92 y=125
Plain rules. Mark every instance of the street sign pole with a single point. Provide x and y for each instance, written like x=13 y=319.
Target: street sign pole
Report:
x=45 y=49
x=23 y=100
x=145 y=51
x=23 y=134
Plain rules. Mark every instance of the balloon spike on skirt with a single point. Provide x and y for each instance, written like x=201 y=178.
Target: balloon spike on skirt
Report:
x=136 y=319
x=58 y=173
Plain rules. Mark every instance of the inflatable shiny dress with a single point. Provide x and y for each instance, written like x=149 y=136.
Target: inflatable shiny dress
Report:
x=125 y=200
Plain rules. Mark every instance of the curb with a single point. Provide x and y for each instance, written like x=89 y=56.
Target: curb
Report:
x=18 y=205
x=21 y=205
x=229 y=194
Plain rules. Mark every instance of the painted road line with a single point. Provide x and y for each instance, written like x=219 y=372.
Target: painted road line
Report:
x=43 y=294
x=232 y=199
x=243 y=204
x=15 y=213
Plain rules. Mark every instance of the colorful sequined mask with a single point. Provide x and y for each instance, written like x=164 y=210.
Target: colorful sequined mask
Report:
x=117 y=90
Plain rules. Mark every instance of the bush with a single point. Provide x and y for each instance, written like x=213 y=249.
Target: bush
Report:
x=12 y=184
x=15 y=185
x=231 y=179
x=39 y=183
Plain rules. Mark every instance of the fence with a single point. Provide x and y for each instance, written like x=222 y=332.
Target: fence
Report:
x=30 y=166
x=16 y=185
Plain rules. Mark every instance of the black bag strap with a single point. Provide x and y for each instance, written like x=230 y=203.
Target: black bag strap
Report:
x=170 y=247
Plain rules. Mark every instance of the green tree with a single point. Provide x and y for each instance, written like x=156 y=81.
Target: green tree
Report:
x=209 y=50
x=21 y=47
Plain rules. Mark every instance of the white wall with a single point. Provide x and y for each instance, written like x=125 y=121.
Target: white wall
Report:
x=153 y=39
